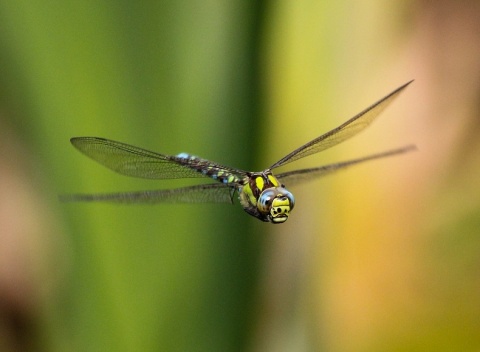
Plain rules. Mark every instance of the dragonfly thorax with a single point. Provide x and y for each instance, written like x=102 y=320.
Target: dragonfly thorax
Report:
x=264 y=197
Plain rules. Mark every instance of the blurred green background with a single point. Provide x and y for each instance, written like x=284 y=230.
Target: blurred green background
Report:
x=385 y=256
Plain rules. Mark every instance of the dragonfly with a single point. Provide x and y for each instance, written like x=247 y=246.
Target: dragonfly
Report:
x=261 y=194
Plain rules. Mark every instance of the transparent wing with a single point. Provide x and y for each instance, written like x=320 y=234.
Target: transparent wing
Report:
x=133 y=161
x=342 y=132
x=209 y=193
x=297 y=176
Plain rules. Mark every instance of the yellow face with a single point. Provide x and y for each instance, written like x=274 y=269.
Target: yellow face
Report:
x=280 y=209
x=276 y=203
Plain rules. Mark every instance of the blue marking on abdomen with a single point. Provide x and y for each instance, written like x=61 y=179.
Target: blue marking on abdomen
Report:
x=183 y=155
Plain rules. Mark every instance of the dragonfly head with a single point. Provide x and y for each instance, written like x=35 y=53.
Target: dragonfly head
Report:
x=276 y=203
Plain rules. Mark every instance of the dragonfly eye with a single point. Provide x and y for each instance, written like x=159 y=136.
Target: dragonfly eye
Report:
x=276 y=203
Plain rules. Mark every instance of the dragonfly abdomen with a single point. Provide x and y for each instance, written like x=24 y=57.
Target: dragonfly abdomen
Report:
x=207 y=168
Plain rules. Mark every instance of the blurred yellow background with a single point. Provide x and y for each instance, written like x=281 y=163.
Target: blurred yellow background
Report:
x=381 y=257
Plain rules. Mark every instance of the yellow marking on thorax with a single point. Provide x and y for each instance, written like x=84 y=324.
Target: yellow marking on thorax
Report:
x=260 y=183
x=248 y=191
x=273 y=180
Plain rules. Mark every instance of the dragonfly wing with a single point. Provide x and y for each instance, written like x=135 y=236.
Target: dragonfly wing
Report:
x=209 y=193
x=133 y=161
x=342 y=132
x=297 y=176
